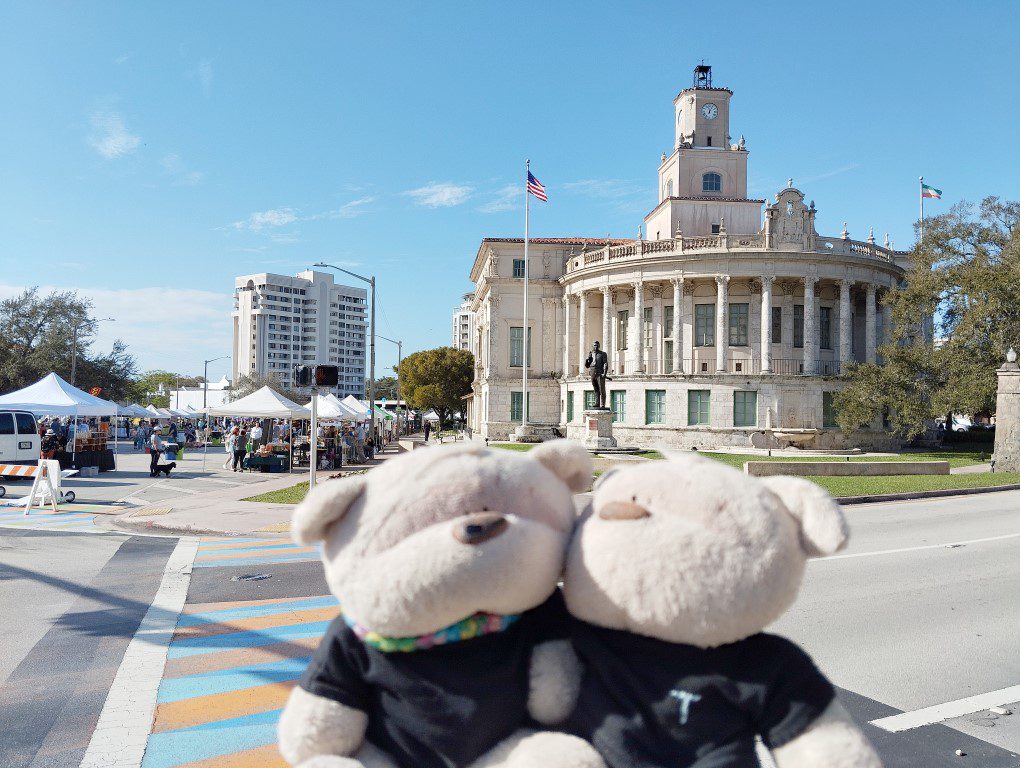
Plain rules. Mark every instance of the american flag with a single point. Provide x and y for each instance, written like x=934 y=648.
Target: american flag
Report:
x=535 y=187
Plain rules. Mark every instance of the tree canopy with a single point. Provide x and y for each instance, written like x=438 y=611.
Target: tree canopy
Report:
x=965 y=279
x=245 y=385
x=437 y=379
x=385 y=386
x=36 y=336
x=155 y=386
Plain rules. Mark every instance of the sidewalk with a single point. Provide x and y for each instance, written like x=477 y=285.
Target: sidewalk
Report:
x=224 y=510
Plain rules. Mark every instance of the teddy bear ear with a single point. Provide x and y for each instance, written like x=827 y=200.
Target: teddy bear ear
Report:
x=823 y=529
x=323 y=506
x=569 y=461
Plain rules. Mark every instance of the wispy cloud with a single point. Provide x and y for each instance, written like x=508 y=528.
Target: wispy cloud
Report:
x=506 y=198
x=440 y=194
x=174 y=167
x=122 y=59
x=110 y=136
x=204 y=72
x=284 y=238
x=828 y=174
x=346 y=211
x=277 y=217
x=604 y=188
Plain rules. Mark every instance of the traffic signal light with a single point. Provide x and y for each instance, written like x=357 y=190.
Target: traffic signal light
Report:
x=303 y=375
x=327 y=375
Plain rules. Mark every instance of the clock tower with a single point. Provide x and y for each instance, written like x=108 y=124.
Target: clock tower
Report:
x=703 y=112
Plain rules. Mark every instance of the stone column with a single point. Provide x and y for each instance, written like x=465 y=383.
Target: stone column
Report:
x=870 y=325
x=846 y=326
x=582 y=331
x=657 y=337
x=607 y=326
x=810 y=327
x=678 y=317
x=722 y=303
x=1007 y=417
x=566 y=335
x=639 y=311
x=766 y=324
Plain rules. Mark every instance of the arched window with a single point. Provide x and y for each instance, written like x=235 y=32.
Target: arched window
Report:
x=669 y=188
x=711 y=182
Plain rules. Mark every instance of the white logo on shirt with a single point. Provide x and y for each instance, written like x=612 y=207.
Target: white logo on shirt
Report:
x=686 y=698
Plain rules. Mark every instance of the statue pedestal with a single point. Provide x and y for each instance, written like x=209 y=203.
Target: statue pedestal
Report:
x=526 y=433
x=1007 y=418
x=598 y=429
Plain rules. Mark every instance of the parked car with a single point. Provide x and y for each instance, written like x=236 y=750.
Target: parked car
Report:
x=19 y=438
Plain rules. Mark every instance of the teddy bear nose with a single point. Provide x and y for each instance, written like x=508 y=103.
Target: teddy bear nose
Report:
x=623 y=510
x=479 y=527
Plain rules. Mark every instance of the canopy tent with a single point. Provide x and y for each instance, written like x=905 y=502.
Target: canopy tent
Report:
x=352 y=413
x=154 y=411
x=431 y=416
x=52 y=396
x=134 y=411
x=265 y=403
x=355 y=404
x=328 y=407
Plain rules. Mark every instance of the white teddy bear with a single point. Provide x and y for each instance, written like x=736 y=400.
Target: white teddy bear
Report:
x=673 y=574
x=445 y=562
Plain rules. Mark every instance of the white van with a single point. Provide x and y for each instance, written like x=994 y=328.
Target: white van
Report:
x=19 y=438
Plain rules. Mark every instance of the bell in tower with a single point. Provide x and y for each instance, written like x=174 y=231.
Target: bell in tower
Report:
x=703 y=76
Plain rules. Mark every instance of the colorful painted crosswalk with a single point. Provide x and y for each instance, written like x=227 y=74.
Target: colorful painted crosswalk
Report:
x=230 y=667
x=69 y=517
x=216 y=552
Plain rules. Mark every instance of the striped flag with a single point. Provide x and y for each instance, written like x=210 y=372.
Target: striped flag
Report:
x=927 y=191
x=535 y=188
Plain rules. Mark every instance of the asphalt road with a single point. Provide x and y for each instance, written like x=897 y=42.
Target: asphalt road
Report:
x=900 y=621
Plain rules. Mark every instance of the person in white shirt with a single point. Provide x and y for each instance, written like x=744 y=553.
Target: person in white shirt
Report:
x=256 y=436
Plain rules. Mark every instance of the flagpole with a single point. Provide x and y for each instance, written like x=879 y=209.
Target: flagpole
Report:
x=524 y=342
x=920 y=192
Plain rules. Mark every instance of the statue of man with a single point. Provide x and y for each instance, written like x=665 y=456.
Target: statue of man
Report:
x=598 y=367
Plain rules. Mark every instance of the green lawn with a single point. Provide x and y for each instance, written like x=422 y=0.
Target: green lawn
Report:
x=869 y=486
x=955 y=458
x=292 y=495
x=515 y=446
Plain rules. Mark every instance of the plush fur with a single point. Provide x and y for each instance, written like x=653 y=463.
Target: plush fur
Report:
x=689 y=550
x=395 y=555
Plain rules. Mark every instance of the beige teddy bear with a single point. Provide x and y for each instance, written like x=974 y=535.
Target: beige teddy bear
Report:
x=445 y=562
x=673 y=574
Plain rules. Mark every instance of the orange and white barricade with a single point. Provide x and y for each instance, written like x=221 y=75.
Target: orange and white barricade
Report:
x=46 y=476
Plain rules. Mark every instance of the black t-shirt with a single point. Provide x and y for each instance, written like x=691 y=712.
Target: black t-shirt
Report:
x=646 y=703
x=442 y=707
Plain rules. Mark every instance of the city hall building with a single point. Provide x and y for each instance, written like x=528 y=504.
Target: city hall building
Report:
x=728 y=322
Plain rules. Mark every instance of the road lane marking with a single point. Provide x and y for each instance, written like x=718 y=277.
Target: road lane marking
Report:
x=947 y=545
x=124 y=724
x=179 y=488
x=948 y=710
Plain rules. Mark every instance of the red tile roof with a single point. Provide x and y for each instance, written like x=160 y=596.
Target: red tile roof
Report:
x=562 y=240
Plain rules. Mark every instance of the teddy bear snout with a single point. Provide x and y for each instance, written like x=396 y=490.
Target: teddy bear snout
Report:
x=623 y=510
x=479 y=527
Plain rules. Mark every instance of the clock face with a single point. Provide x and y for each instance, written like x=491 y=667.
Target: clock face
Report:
x=710 y=111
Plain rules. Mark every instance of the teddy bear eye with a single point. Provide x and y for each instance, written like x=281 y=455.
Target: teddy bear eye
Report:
x=485 y=509
x=634 y=498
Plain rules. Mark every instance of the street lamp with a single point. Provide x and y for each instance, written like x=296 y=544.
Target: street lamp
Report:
x=371 y=359
x=400 y=357
x=205 y=380
x=74 y=341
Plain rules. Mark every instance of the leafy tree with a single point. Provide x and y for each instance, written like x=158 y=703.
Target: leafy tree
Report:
x=155 y=387
x=246 y=384
x=385 y=386
x=36 y=336
x=965 y=275
x=437 y=379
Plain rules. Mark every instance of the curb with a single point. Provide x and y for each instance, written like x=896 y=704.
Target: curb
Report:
x=847 y=500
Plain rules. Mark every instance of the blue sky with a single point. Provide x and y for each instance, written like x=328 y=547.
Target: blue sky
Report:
x=150 y=153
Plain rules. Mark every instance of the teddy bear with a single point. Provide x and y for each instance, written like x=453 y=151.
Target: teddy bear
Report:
x=676 y=568
x=452 y=645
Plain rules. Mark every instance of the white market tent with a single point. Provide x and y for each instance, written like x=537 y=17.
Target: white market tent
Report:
x=355 y=404
x=431 y=416
x=52 y=396
x=329 y=410
x=134 y=411
x=262 y=404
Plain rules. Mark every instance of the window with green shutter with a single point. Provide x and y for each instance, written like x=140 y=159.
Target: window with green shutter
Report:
x=570 y=406
x=622 y=320
x=828 y=412
x=667 y=322
x=646 y=326
x=798 y=326
x=704 y=325
x=589 y=399
x=739 y=314
x=517 y=347
x=618 y=404
x=655 y=406
x=745 y=409
x=699 y=407
x=516 y=399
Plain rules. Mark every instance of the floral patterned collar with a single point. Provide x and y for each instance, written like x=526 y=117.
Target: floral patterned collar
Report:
x=473 y=626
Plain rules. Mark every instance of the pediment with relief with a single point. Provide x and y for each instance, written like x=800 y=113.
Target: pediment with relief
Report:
x=789 y=221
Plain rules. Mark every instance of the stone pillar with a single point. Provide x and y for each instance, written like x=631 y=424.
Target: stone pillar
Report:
x=846 y=326
x=1007 y=417
x=870 y=326
x=582 y=332
x=566 y=335
x=766 y=324
x=722 y=304
x=657 y=335
x=678 y=317
x=639 y=311
x=607 y=326
x=810 y=327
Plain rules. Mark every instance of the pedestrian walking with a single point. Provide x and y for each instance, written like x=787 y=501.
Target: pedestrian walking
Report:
x=156 y=446
x=240 y=449
x=428 y=428
x=229 y=441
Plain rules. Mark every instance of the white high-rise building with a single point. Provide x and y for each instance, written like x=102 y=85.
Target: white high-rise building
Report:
x=281 y=322
x=464 y=323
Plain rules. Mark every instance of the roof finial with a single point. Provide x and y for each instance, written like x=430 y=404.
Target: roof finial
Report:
x=887 y=240
x=1011 y=355
x=740 y=144
x=789 y=182
x=845 y=235
x=871 y=235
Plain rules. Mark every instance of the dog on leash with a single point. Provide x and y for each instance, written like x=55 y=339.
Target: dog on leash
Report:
x=164 y=468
